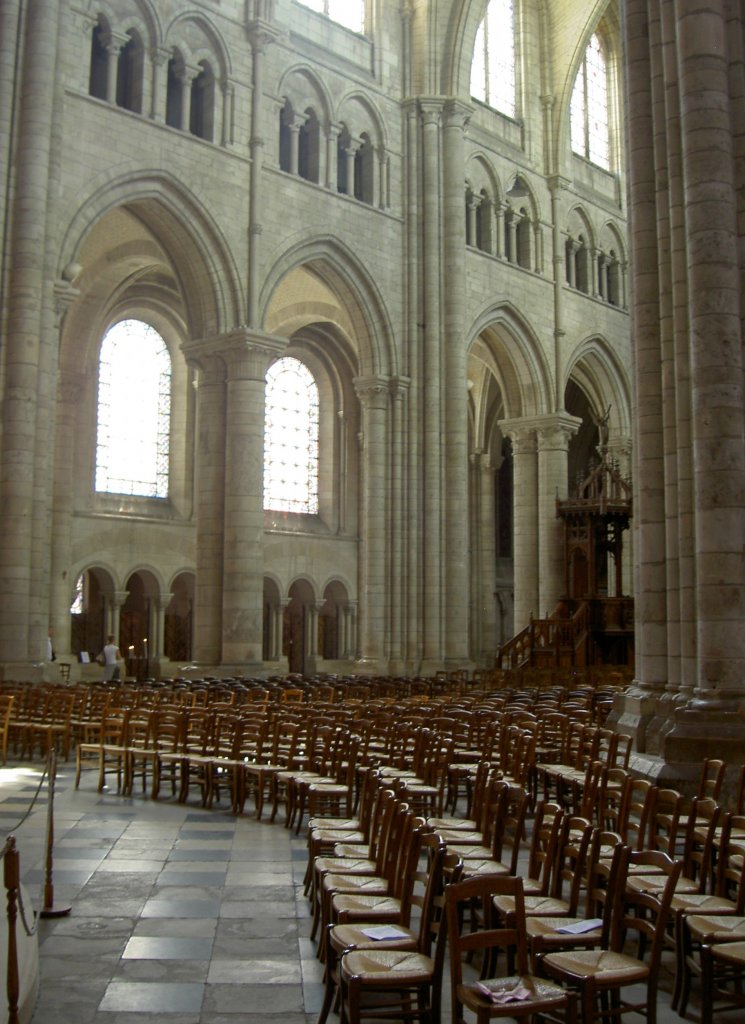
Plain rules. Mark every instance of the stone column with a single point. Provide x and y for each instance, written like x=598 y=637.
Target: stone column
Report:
x=373 y=393
x=158 y=626
x=525 y=518
x=227 y=119
x=332 y=142
x=499 y=211
x=246 y=356
x=261 y=36
x=683 y=98
x=571 y=259
x=158 y=61
x=113 y=49
x=397 y=626
x=350 y=618
x=114 y=613
x=350 y=153
x=209 y=488
x=278 y=621
x=70 y=391
x=294 y=123
x=27 y=346
x=432 y=410
x=483 y=560
x=553 y=434
x=456 y=117
x=186 y=77
x=473 y=204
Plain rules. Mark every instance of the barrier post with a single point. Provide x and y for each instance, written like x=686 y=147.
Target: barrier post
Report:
x=49 y=909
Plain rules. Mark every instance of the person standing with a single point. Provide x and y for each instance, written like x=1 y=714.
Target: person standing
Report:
x=110 y=657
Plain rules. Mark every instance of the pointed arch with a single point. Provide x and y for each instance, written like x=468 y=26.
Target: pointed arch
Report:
x=361 y=314
x=506 y=343
x=602 y=375
x=211 y=287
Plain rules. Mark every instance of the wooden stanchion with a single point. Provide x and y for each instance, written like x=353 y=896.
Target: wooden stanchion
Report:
x=49 y=909
x=11 y=879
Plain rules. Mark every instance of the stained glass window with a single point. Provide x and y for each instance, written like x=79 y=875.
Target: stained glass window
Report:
x=590 y=121
x=78 y=602
x=291 y=438
x=349 y=13
x=134 y=411
x=493 y=68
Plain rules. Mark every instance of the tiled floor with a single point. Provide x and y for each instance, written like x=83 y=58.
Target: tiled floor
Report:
x=177 y=914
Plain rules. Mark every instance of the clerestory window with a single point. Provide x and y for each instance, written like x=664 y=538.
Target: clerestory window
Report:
x=349 y=13
x=134 y=411
x=493 y=70
x=590 y=108
x=291 y=438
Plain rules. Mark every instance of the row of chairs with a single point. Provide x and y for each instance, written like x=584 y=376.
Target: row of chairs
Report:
x=467 y=909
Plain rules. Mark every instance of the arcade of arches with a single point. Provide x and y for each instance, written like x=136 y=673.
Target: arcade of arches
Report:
x=489 y=268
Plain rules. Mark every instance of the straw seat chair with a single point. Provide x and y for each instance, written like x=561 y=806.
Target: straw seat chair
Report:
x=540 y=999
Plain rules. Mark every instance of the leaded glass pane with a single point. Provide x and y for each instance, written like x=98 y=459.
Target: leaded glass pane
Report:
x=493 y=71
x=291 y=438
x=589 y=113
x=597 y=103
x=134 y=407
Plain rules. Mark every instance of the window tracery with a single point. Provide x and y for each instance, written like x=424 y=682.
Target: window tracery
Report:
x=590 y=110
x=291 y=438
x=494 y=66
x=134 y=411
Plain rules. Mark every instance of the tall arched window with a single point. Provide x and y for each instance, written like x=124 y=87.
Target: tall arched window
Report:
x=134 y=411
x=493 y=70
x=349 y=13
x=291 y=438
x=590 y=118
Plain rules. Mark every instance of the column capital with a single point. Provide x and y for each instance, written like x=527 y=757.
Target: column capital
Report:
x=457 y=114
x=65 y=295
x=246 y=354
x=261 y=34
x=556 y=430
x=399 y=387
x=119 y=597
x=373 y=391
x=431 y=110
x=159 y=55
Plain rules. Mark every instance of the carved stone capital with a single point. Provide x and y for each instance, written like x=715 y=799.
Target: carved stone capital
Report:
x=245 y=354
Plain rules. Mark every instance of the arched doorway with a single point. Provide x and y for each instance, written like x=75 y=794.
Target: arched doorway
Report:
x=177 y=626
x=94 y=591
x=296 y=635
x=135 y=624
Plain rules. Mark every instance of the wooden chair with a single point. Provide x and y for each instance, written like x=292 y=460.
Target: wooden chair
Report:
x=441 y=868
x=604 y=883
x=722 y=977
x=603 y=976
x=540 y=997
x=7 y=700
x=392 y=860
x=567 y=876
x=705 y=919
x=107 y=753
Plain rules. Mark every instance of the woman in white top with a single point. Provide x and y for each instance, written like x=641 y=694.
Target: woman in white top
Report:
x=110 y=657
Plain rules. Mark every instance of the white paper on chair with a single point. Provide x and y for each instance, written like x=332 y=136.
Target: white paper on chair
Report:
x=385 y=931
x=579 y=927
